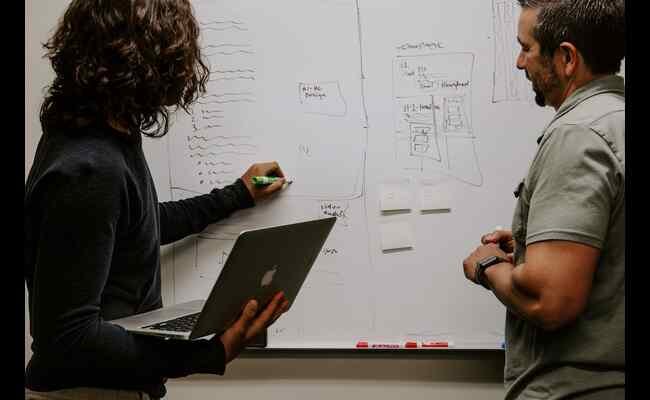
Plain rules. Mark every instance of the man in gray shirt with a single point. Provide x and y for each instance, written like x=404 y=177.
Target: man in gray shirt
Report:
x=560 y=271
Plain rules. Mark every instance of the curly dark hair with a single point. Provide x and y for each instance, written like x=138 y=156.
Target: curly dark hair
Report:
x=125 y=61
x=595 y=27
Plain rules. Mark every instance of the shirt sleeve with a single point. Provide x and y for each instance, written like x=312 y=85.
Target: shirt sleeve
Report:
x=186 y=217
x=79 y=216
x=575 y=187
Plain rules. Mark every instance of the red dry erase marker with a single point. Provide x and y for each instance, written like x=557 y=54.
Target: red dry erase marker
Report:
x=436 y=344
x=411 y=345
x=385 y=346
x=362 y=345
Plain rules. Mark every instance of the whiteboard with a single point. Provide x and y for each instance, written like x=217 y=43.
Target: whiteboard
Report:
x=406 y=119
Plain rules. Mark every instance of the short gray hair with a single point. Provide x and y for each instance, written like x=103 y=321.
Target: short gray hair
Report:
x=595 y=27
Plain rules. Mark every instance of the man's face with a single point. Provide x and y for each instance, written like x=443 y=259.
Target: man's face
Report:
x=538 y=68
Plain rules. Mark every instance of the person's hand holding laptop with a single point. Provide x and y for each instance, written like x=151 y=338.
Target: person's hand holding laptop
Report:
x=258 y=283
x=250 y=324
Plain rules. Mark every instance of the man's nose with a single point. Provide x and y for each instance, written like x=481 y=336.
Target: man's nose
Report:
x=520 y=61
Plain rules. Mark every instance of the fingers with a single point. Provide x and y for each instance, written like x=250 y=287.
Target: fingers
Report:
x=496 y=236
x=274 y=187
x=264 y=319
x=250 y=310
x=271 y=168
x=283 y=308
x=247 y=317
x=468 y=268
x=491 y=237
x=233 y=338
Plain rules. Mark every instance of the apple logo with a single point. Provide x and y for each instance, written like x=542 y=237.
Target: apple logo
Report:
x=268 y=276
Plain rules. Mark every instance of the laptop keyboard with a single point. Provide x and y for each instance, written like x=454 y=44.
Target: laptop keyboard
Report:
x=181 y=324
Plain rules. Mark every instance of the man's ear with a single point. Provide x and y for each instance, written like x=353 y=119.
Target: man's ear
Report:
x=568 y=58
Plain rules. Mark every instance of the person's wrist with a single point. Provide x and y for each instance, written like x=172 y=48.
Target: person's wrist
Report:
x=482 y=265
x=245 y=190
x=479 y=276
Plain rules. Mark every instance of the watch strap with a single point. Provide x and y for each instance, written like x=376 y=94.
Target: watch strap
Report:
x=482 y=265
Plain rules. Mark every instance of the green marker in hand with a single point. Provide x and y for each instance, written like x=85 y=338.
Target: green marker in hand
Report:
x=266 y=180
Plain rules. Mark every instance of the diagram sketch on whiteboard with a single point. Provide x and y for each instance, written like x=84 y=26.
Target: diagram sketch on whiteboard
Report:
x=509 y=84
x=433 y=96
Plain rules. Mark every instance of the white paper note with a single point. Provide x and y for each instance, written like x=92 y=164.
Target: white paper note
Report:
x=396 y=235
x=394 y=196
x=434 y=198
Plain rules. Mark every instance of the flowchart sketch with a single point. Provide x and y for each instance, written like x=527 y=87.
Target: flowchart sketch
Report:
x=433 y=100
x=509 y=84
x=283 y=87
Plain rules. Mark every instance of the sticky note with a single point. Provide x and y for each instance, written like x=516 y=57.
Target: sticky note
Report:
x=396 y=235
x=434 y=198
x=394 y=196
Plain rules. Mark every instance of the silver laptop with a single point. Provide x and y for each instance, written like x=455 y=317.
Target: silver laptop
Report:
x=261 y=263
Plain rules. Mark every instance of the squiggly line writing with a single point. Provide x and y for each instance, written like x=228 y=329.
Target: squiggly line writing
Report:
x=208 y=126
x=221 y=172
x=232 y=71
x=228 y=94
x=228 y=21
x=209 y=112
x=213 y=163
x=230 y=53
x=198 y=146
x=234 y=78
x=226 y=101
x=237 y=153
x=224 y=29
x=219 y=181
x=214 y=46
x=206 y=139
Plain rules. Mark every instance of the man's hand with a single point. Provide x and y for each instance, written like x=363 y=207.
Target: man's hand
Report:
x=503 y=238
x=263 y=169
x=248 y=326
x=481 y=252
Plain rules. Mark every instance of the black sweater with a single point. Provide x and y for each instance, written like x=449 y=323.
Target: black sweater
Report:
x=93 y=230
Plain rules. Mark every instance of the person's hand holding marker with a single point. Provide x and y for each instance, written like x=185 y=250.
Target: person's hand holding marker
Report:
x=256 y=179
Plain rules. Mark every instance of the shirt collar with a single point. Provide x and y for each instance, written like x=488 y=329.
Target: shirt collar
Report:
x=609 y=83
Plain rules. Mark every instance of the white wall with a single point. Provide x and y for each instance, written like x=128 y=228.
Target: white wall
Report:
x=466 y=376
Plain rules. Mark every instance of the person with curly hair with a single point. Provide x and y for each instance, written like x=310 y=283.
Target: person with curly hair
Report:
x=93 y=223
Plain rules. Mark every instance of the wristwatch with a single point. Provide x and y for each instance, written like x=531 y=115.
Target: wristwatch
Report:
x=484 y=264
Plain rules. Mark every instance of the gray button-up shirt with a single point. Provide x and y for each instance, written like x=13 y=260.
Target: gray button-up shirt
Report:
x=575 y=191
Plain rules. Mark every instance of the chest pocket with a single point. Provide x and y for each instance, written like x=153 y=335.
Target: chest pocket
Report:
x=520 y=222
